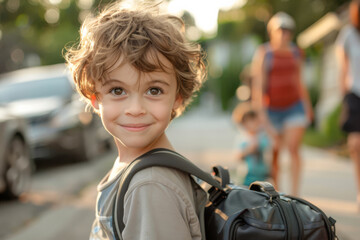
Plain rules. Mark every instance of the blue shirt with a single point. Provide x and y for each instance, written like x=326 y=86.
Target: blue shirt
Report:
x=257 y=168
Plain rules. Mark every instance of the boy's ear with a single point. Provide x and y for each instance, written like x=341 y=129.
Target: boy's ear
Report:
x=178 y=102
x=94 y=102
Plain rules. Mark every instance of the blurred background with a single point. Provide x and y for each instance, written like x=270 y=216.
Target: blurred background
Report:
x=57 y=151
x=34 y=33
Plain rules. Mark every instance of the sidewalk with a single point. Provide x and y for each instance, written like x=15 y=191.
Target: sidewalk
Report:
x=328 y=180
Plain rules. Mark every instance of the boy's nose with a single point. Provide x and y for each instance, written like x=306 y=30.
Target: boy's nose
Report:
x=135 y=106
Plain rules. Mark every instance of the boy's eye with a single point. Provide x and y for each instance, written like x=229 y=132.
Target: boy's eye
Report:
x=154 y=91
x=117 y=91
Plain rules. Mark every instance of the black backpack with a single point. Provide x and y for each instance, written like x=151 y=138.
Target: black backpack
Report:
x=234 y=212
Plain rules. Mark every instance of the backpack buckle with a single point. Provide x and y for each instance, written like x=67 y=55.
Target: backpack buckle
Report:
x=217 y=195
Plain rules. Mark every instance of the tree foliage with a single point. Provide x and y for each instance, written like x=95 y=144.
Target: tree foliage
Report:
x=34 y=32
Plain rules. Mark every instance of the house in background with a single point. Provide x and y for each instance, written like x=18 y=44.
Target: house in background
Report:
x=325 y=32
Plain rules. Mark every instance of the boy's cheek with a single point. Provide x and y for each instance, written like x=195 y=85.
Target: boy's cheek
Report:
x=109 y=112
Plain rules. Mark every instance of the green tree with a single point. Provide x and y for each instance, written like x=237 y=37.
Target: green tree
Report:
x=34 y=32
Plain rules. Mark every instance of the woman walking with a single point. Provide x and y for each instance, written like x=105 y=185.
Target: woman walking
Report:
x=280 y=95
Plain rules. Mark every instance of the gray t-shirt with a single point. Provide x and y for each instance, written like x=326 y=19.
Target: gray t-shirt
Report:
x=161 y=203
x=349 y=40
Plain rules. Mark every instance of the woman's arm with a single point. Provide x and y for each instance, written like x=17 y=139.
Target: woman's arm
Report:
x=258 y=79
x=304 y=94
x=258 y=89
x=343 y=63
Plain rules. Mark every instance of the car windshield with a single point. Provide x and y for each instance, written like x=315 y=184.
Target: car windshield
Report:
x=54 y=87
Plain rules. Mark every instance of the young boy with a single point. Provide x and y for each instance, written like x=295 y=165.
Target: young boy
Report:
x=253 y=143
x=138 y=72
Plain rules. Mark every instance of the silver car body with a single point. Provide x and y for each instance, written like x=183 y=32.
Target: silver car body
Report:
x=10 y=126
x=58 y=122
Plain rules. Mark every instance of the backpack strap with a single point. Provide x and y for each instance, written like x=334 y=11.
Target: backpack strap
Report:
x=158 y=157
x=265 y=187
x=296 y=51
x=268 y=57
x=267 y=64
x=222 y=175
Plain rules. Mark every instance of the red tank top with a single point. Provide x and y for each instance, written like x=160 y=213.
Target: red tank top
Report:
x=282 y=88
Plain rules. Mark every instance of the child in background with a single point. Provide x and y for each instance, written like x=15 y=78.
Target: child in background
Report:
x=136 y=69
x=253 y=143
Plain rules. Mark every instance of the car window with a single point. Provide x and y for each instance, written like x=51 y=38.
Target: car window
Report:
x=54 y=87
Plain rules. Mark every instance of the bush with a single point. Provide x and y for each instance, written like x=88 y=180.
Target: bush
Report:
x=332 y=128
x=330 y=135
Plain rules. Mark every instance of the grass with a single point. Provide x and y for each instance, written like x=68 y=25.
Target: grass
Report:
x=334 y=143
x=315 y=138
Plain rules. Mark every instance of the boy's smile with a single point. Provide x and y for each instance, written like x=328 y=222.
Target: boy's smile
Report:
x=135 y=127
x=136 y=107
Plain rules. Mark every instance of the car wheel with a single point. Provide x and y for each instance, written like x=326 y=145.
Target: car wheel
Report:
x=18 y=168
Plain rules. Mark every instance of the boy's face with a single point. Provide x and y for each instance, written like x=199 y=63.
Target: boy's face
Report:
x=252 y=125
x=136 y=107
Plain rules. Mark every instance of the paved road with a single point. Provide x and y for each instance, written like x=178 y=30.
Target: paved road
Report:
x=60 y=204
x=206 y=138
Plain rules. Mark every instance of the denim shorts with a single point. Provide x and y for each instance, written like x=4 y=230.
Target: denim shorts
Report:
x=293 y=116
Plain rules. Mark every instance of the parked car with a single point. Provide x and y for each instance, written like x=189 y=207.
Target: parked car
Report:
x=59 y=126
x=15 y=162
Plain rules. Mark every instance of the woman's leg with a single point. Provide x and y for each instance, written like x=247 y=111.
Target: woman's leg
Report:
x=293 y=137
x=275 y=166
x=354 y=150
x=274 y=127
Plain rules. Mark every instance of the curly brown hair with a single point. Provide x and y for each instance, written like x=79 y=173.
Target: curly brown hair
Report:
x=133 y=34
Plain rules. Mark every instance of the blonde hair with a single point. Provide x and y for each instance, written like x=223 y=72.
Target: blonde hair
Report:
x=133 y=34
x=242 y=112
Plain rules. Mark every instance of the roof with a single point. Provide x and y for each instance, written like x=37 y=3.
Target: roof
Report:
x=332 y=22
x=319 y=30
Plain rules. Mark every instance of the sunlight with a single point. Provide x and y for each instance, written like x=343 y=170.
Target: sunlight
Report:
x=205 y=12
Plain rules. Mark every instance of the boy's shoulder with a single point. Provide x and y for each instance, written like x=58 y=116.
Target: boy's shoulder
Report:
x=168 y=177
